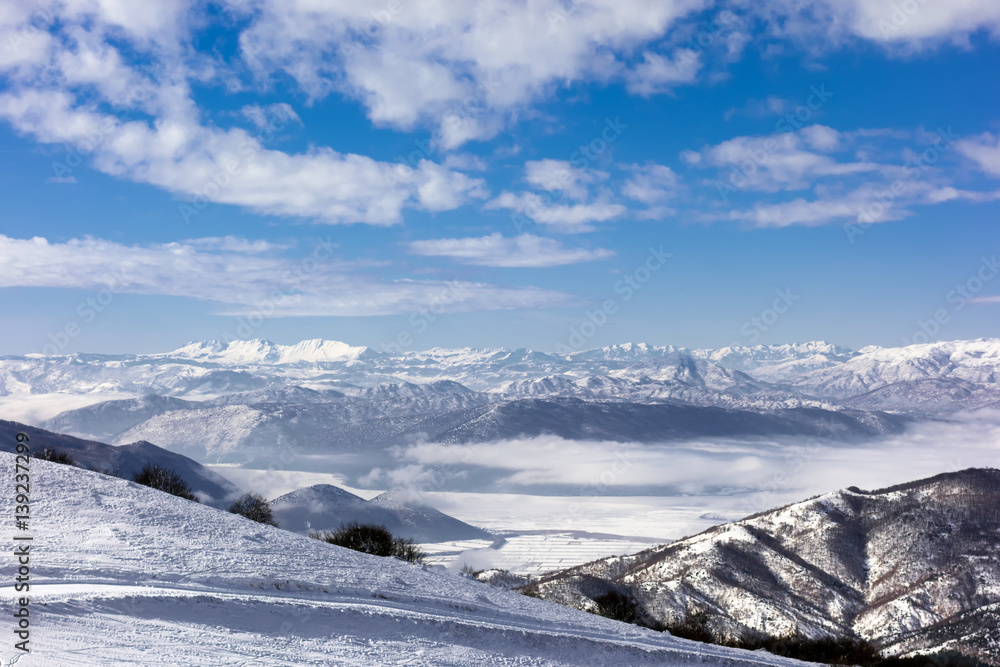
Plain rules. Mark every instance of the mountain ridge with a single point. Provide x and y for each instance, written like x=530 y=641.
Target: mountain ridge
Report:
x=911 y=568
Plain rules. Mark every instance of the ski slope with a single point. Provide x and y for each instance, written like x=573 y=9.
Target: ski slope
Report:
x=126 y=575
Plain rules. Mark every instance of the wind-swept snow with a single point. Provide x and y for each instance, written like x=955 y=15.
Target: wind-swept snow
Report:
x=126 y=575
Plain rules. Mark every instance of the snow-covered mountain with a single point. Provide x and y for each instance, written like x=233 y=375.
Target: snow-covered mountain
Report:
x=975 y=361
x=364 y=433
x=263 y=352
x=912 y=568
x=130 y=576
x=775 y=363
x=224 y=402
x=210 y=368
x=327 y=507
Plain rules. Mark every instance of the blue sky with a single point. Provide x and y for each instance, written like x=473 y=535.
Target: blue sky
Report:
x=546 y=174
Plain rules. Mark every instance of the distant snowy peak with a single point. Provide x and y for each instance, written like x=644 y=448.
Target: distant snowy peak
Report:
x=263 y=351
x=768 y=362
x=976 y=361
x=624 y=352
x=318 y=350
x=683 y=368
x=775 y=363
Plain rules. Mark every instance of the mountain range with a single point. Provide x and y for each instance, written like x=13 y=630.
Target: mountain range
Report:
x=911 y=568
x=251 y=402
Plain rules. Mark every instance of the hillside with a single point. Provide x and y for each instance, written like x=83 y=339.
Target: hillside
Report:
x=125 y=460
x=911 y=568
x=327 y=507
x=133 y=576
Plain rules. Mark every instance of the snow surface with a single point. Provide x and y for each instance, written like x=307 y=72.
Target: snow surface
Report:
x=126 y=575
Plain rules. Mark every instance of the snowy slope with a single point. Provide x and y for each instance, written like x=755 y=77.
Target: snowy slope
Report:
x=125 y=461
x=976 y=361
x=132 y=576
x=910 y=568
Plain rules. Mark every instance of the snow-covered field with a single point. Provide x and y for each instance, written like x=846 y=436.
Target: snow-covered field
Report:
x=533 y=554
x=125 y=575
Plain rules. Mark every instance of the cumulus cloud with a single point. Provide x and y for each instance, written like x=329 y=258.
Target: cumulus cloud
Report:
x=863 y=175
x=566 y=218
x=526 y=251
x=868 y=204
x=560 y=176
x=244 y=278
x=659 y=74
x=453 y=65
x=72 y=84
x=783 y=161
x=234 y=167
x=984 y=150
x=916 y=25
x=651 y=184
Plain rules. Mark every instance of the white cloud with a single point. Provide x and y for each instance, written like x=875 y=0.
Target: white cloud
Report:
x=235 y=244
x=560 y=176
x=916 y=25
x=465 y=162
x=840 y=169
x=985 y=299
x=754 y=108
x=233 y=167
x=264 y=117
x=455 y=65
x=784 y=161
x=525 y=250
x=244 y=277
x=658 y=74
x=651 y=184
x=869 y=203
x=565 y=218
x=72 y=85
x=779 y=470
x=984 y=150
